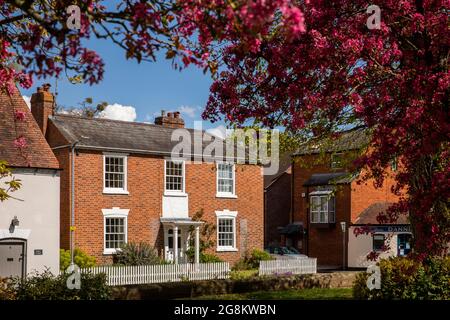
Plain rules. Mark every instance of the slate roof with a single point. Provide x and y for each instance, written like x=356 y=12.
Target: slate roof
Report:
x=284 y=164
x=37 y=153
x=320 y=179
x=353 y=139
x=370 y=214
x=132 y=137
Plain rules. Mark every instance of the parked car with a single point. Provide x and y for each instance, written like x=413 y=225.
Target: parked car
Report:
x=282 y=253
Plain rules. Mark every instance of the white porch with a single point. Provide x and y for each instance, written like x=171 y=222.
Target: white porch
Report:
x=179 y=228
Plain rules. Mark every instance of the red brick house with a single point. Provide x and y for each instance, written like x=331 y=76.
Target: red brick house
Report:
x=128 y=189
x=326 y=194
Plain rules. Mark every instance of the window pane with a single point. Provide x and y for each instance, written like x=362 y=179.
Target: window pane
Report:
x=114 y=233
x=174 y=176
x=378 y=242
x=114 y=172
x=225 y=181
x=226 y=233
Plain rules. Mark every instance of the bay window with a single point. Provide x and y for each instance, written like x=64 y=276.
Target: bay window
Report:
x=322 y=207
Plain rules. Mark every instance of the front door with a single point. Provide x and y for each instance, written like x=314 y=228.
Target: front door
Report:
x=403 y=244
x=170 y=246
x=12 y=255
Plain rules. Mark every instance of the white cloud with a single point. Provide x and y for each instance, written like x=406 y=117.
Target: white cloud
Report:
x=27 y=100
x=189 y=111
x=117 y=111
x=219 y=131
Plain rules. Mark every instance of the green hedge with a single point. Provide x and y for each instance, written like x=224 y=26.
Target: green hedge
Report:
x=46 y=286
x=404 y=278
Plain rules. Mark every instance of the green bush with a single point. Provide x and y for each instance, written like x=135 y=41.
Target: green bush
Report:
x=46 y=286
x=6 y=290
x=252 y=260
x=404 y=278
x=132 y=254
x=80 y=258
x=209 y=258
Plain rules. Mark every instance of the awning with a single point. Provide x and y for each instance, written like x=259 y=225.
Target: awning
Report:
x=321 y=179
x=180 y=222
x=291 y=229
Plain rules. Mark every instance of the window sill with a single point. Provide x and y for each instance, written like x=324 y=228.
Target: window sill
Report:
x=112 y=191
x=175 y=194
x=226 y=196
x=226 y=249
x=324 y=225
x=109 y=252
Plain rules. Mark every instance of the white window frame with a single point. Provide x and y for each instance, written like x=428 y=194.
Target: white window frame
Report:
x=114 y=213
x=123 y=190
x=176 y=193
x=231 y=215
x=231 y=195
x=329 y=197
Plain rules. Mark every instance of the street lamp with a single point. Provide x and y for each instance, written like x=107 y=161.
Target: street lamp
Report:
x=344 y=229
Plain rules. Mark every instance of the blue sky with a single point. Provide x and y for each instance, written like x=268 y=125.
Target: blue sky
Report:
x=147 y=87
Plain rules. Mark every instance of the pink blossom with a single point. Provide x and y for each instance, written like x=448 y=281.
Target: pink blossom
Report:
x=20 y=142
x=19 y=115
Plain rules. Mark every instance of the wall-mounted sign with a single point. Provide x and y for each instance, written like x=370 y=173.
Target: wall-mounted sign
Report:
x=395 y=229
x=38 y=252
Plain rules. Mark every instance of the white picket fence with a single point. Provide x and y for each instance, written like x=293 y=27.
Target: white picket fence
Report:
x=294 y=266
x=123 y=275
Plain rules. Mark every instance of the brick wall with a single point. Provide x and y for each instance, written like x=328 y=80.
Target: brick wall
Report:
x=365 y=194
x=145 y=186
x=54 y=138
x=278 y=207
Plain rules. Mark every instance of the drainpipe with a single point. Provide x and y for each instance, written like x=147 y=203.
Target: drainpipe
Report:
x=72 y=206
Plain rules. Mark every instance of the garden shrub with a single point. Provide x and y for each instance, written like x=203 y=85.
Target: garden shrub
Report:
x=46 y=286
x=252 y=260
x=135 y=254
x=6 y=290
x=80 y=258
x=209 y=258
x=404 y=278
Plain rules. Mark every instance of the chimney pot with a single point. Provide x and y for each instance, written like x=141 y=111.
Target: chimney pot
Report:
x=172 y=120
x=42 y=106
x=46 y=87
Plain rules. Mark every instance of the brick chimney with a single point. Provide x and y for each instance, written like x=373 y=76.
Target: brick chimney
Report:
x=171 y=120
x=42 y=106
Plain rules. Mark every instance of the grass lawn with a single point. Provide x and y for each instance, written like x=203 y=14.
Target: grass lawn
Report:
x=303 y=294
